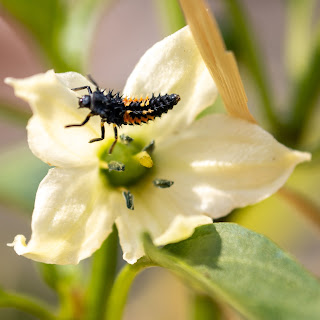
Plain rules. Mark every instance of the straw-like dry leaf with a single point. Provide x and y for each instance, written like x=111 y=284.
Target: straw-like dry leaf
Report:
x=221 y=63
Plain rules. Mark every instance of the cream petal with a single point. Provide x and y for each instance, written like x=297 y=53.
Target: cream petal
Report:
x=158 y=214
x=173 y=65
x=54 y=105
x=181 y=228
x=220 y=163
x=71 y=219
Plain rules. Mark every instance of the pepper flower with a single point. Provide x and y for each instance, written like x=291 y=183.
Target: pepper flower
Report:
x=216 y=163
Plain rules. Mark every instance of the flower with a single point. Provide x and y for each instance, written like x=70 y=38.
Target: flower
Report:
x=217 y=163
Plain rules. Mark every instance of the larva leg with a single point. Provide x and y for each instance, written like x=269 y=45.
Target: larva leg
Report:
x=81 y=88
x=102 y=134
x=80 y=124
x=115 y=138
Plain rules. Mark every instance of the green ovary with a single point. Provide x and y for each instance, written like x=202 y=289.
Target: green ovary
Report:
x=124 y=154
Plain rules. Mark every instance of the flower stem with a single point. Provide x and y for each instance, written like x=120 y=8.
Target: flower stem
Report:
x=26 y=304
x=122 y=285
x=103 y=273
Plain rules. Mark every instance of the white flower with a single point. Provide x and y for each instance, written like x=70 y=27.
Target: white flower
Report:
x=217 y=163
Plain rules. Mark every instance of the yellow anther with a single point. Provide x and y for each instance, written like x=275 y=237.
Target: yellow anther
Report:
x=144 y=159
x=103 y=164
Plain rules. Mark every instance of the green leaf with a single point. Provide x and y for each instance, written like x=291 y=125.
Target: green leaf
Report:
x=21 y=175
x=63 y=29
x=244 y=269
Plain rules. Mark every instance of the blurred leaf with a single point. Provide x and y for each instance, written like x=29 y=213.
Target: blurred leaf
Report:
x=216 y=107
x=43 y=20
x=63 y=29
x=303 y=61
x=204 y=308
x=77 y=31
x=242 y=35
x=244 y=269
x=305 y=179
x=68 y=283
x=56 y=276
x=299 y=36
x=304 y=99
x=170 y=14
x=303 y=204
x=103 y=272
x=29 y=305
x=21 y=173
x=14 y=113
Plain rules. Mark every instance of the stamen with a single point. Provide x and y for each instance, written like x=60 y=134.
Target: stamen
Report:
x=125 y=139
x=162 y=183
x=116 y=166
x=150 y=147
x=112 y=165
x=126 y=165
x=129 y=199
x=144 y=159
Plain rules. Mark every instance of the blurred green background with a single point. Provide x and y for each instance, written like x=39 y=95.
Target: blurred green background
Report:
x=106 y=39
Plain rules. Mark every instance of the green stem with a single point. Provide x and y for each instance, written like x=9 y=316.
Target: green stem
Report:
x=252 y=56
x=14 y=113
x=122 y=285
x=205 y=308
x=26 y=304
x=103 y=274
x=66 y=305
x=171 y=15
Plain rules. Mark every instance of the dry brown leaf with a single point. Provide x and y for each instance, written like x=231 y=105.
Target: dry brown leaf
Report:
x=220 y=62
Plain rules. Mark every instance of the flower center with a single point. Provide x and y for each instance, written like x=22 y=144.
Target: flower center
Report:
x=127 y=164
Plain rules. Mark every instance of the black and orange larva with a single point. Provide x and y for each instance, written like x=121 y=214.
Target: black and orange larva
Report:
x=113 y=108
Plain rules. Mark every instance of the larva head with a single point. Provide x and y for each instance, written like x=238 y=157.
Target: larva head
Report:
x=176 y=98
x=85 y=101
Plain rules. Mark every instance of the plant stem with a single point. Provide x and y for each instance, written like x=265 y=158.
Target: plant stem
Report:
x=252 y=56
x=122 y=285
x=103 y=274
x=26 y=304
